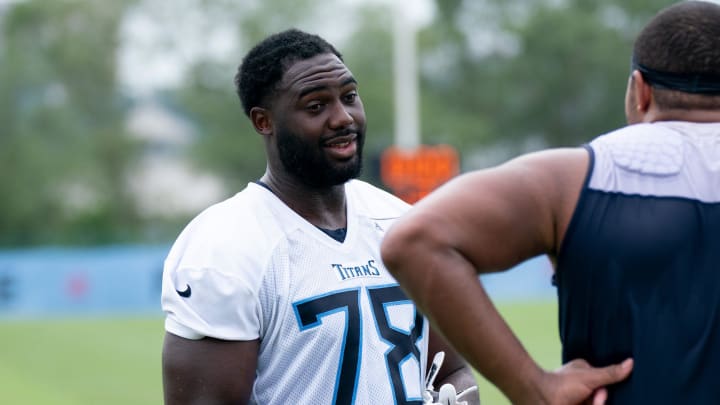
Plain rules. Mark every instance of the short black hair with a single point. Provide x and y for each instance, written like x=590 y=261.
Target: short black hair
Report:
x=682 y=39
x=264 y=65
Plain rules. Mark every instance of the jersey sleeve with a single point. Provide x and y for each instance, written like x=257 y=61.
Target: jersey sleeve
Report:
x=211 y=281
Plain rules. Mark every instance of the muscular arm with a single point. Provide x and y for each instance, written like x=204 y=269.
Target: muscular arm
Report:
x=488 y=221
x=208 y=371
x=454 y=370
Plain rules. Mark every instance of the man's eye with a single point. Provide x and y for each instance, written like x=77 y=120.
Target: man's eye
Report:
x=350 y=98
x=315 y=107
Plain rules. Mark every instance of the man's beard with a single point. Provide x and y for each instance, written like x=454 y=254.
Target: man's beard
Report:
x=306 y=161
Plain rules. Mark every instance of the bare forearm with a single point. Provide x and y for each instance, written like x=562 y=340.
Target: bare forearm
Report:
x=501 y=357
x=440 y=280
x=459 y=309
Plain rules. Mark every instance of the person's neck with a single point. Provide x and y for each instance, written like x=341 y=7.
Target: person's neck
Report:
x=682 y=115
x=324 y=207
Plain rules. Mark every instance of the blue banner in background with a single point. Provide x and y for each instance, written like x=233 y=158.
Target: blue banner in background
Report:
x=126 y=280
x=81 y=281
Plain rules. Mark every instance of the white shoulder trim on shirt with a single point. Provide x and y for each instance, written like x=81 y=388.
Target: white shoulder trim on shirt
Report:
x=661 y=159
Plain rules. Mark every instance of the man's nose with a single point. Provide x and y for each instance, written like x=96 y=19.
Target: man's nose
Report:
x=341 y=116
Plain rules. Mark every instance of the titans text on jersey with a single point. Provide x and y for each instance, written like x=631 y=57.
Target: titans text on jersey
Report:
x=370 y=269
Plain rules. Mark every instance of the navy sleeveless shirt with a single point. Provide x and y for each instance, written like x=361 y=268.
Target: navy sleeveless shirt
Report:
x=638 y=274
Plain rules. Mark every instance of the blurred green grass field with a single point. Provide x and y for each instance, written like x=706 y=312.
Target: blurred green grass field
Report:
x=117 y=360
x=81 y=361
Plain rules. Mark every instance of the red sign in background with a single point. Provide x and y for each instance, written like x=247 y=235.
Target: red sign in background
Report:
x=411 y=174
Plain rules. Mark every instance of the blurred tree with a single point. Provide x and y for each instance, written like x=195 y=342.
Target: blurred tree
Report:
x=63 y=149
x=530 y=74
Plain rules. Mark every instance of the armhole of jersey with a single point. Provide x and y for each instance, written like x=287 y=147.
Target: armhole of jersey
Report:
x=581 y=200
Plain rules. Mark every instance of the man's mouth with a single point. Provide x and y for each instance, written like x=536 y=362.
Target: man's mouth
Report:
x=342 y=147
x=341 y=141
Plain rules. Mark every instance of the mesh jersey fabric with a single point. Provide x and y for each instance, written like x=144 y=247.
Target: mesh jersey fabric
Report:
x=639 y=271
x=334 y=326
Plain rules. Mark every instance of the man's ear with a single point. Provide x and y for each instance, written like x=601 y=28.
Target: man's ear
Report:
x=261 y=120
x=643 y=92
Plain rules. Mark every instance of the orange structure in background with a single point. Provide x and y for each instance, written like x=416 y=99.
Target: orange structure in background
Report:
x=411 y=174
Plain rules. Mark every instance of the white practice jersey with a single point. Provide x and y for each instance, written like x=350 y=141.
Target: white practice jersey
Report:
x=334 y=326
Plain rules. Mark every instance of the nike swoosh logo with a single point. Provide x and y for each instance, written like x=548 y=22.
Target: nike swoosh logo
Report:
x=186 y=293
